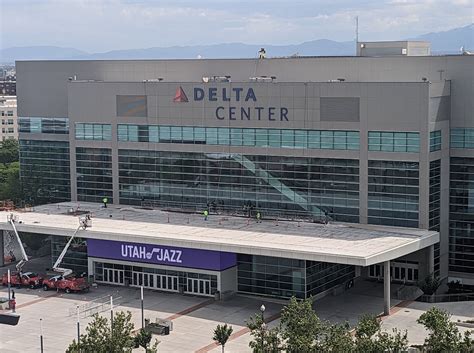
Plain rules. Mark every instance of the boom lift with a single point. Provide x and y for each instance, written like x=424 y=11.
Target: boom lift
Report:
x=84 y=222
x=19 y=266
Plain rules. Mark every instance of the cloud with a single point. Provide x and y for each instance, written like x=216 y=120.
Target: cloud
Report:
x=99 y=26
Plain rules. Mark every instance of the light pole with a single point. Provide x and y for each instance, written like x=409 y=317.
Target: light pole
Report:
x=111 y=317
x=41 y=335
x=262 y=310
x=78 y=327
x=143 y=315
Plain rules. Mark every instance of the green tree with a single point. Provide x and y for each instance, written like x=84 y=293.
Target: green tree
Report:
x=370 y=338
x=99 y=338
x=444 y=335
x=264 y=340
x=429 y=285
x=143 y=339
x=10 y=188
x=222 y=334
x=9 y=151
x=300 y=325
x=335 y=338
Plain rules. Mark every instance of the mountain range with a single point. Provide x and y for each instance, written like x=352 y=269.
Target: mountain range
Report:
x=447 y=42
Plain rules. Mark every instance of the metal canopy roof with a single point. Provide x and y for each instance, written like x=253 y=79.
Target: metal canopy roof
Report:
x=344 y=243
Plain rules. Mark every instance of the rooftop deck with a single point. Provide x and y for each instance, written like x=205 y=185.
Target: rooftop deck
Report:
x=345 y=243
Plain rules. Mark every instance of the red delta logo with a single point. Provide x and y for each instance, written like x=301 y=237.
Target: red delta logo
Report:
x=180 y=96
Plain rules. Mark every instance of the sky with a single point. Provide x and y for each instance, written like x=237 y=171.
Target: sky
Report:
x=104 y=25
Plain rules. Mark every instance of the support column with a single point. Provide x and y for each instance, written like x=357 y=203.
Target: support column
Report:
x=430 y=259
x=386 y=288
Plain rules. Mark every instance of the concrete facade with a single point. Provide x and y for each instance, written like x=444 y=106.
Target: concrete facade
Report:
x=419 y=94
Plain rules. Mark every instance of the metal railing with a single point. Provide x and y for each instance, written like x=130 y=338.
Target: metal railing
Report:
x=95 y=306
x=439 y=298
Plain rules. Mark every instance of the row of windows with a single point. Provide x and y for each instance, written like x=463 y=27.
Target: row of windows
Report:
x=435 y=140
x=44 y=171
x=305 y=186
x=462 y=138
x=393 y=200
x=6 y=112
x=94 y=174
x=317 y=139
x=435 y=195
x=101 y=132
x=44 y=125
x=8 y=122
x=461 y=215
x=394 y=141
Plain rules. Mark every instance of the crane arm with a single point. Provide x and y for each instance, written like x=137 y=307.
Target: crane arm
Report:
x=24 y=256
x=56 y=268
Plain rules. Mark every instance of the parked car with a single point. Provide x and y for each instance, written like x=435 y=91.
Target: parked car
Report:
x=29 y=279
x=68 y=284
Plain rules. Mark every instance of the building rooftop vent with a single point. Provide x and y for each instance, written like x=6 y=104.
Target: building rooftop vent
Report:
x=207 y=79
x=262 y=79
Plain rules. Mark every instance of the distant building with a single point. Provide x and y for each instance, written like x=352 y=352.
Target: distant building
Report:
x=394 y=48
x=8 y=85
x=8 y=114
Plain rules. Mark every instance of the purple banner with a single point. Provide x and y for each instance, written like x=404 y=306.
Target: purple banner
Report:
x=161 y=255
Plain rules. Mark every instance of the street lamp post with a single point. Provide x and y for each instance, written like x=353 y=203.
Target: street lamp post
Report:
x=262 y=310
x=41 y=335
x=143 y=315
x=78 y=327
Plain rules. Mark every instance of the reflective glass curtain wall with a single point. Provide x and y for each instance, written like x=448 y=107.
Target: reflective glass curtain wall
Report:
x=393 y=193
x=461 y=215
x=94 y=174
x=273 y=184
x=45 y=171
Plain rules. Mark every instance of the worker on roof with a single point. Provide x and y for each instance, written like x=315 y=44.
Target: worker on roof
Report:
x=104 y=201
x=205 y=213
x=259 y=217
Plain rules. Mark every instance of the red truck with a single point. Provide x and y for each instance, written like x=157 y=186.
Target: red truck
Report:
x=68 y=284
x=29 y=279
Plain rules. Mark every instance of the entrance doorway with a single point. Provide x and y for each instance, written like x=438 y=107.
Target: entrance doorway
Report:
x=154 y=281
x=199 y=286
x=114 y=276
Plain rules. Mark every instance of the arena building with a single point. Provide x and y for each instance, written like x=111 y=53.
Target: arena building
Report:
x=381 y=148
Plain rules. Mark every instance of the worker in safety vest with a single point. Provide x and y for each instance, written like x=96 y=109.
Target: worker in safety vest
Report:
x=205 y=213
x=104 y=201
x=259 y=217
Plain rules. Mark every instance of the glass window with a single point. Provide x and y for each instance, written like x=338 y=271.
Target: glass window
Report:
x=153 y=133
x=176 y=134
x=165 y=133
x=199 y=135
x=314 y=139
x=236 y=137
x=301 y=139
x=211 y=136
x=122 y=132
x=274 y=139
x=462 y=138
x=327 y=140
x=248 y=136
x=188 y=134
x=80 y=134
x=224 y=136
x=340 y=140
x=288 y=138
x=261 y=137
